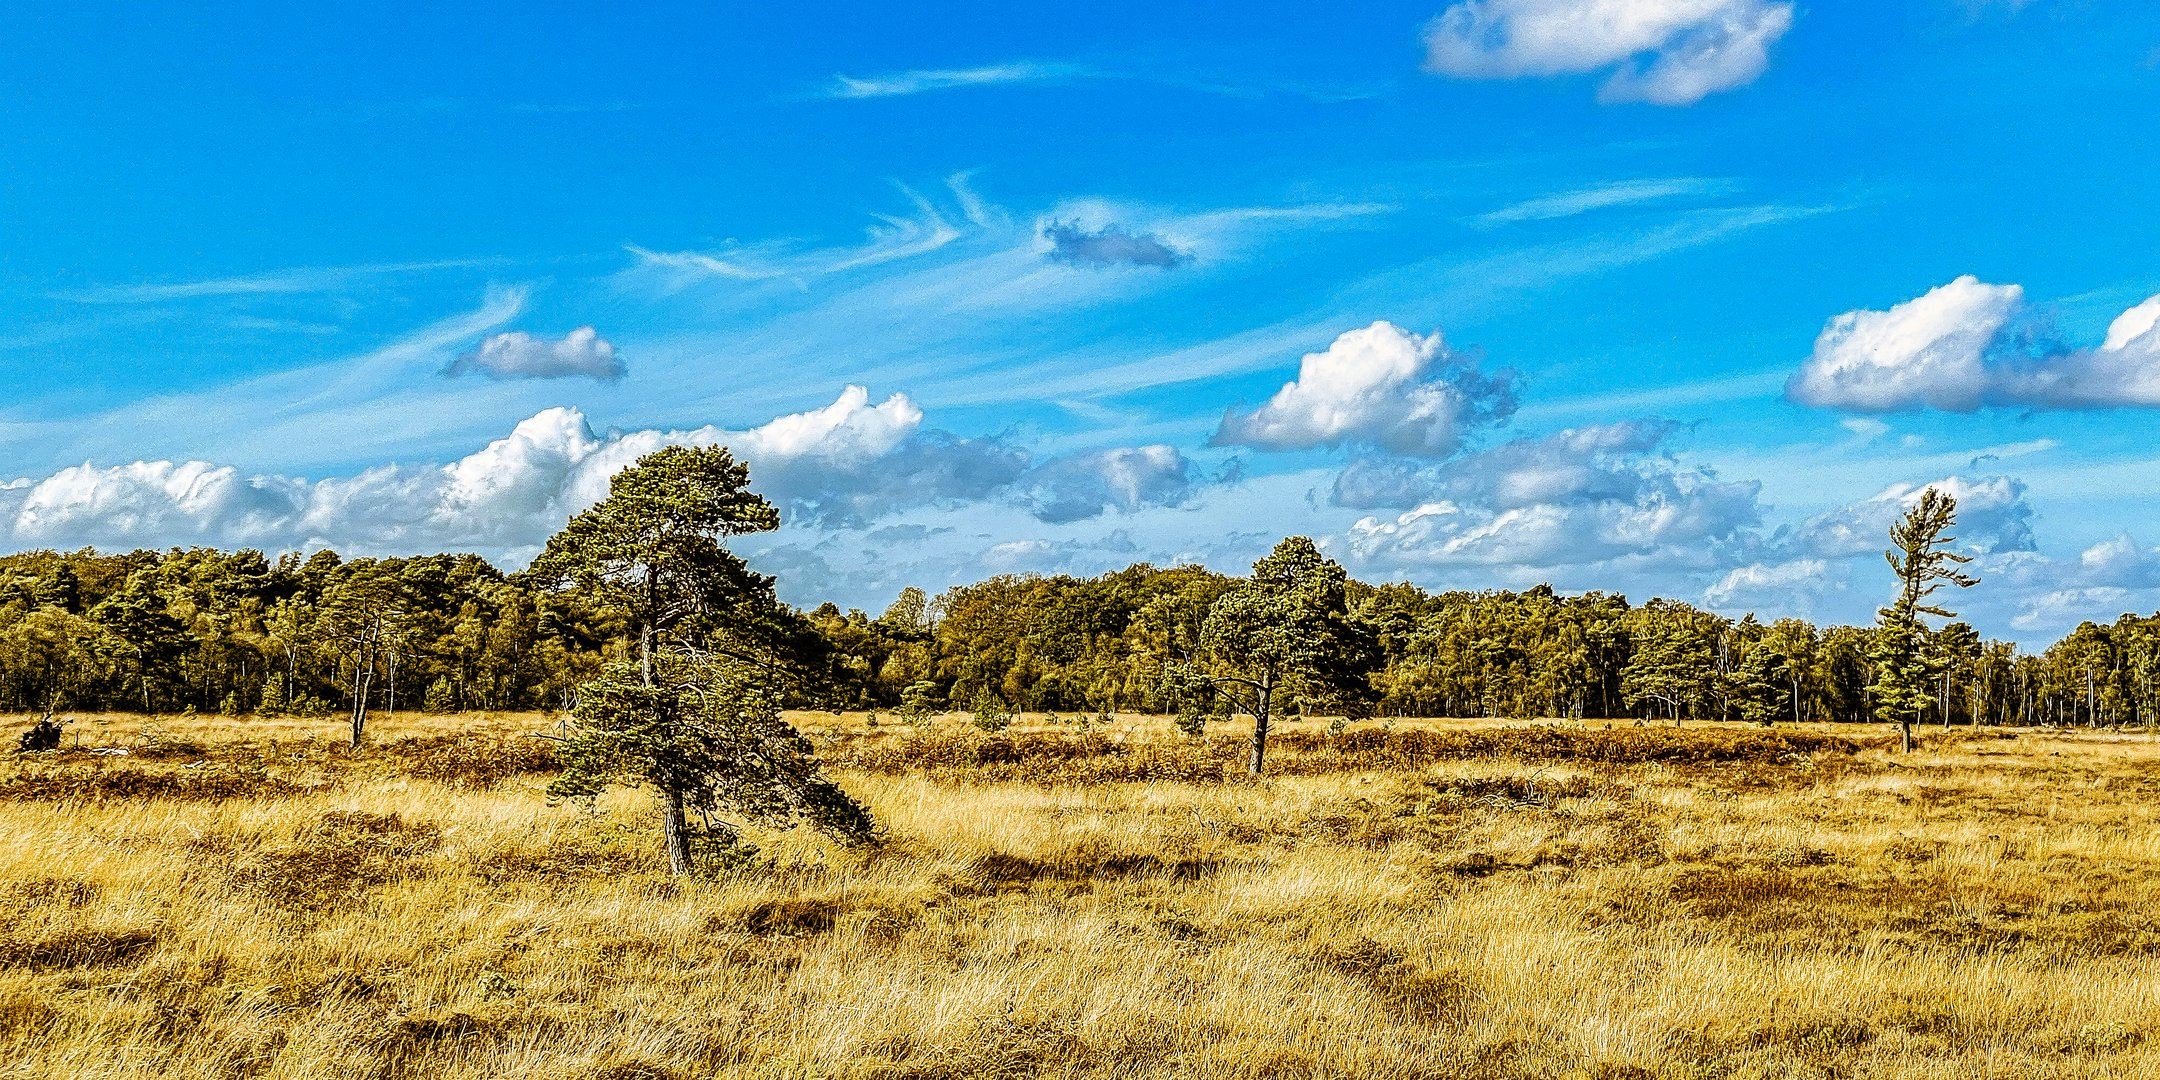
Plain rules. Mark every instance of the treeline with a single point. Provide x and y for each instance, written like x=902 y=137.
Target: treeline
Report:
x=240 y=632
x=1104 y=643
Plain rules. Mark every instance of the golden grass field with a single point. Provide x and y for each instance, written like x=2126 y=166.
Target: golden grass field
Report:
x=239 y=898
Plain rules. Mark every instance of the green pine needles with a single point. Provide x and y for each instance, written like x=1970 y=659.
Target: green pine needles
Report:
x=1920 y=554
x=707 y=736
x=696 y=716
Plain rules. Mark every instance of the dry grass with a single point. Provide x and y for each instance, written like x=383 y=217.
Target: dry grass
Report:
x=1442 y=900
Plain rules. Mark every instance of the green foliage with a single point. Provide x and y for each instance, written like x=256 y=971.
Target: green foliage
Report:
x=1920 y=556
x=991 y=713
x=697 y=717
x=918 y=701
x=1673 y=669
x=442 y=697
x=709 y=733
x=652 y=550
x=1761 y=686
x=1287 y=631
x=263 y=628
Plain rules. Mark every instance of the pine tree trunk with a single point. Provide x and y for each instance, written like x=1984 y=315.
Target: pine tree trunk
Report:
x=1258 y=760
x=1905 y=726
x=678 y=836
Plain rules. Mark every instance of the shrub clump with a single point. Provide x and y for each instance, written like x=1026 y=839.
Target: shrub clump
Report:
x=1046 y=758
x=97 y=781
x=473 y=762
x=1058 y=758
x=1375 y=749
x=335 y=861
x=76 y=948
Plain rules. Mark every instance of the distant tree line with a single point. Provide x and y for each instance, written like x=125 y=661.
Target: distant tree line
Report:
x=239 y=632
x=242 y=632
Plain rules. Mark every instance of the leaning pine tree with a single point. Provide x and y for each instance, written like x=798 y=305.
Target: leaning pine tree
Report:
x=694 y=717
x=1904 y=685
x=706 y=733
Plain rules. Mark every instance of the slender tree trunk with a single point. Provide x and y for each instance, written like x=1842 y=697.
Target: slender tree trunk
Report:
x=1905 y=726
x=676 y=828
x=678 y=835
x=359 y=709
x=1258 y=760
x=645 y=625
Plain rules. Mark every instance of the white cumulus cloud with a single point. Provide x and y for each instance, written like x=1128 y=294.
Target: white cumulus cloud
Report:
x=1665 y=52
x=1927 y=352
x=1965 y=346
x=581 y=353
x=1992 y=518
x=1771 y=585
x=1599 y=495
x=1380 y=387
x=845 y=464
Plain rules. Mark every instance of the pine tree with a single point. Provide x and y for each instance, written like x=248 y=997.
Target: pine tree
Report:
x=1287 y=630
x=273 y=698
x=1920 y=556
x=707 y=735
x=679 y=721
x=1761 y=689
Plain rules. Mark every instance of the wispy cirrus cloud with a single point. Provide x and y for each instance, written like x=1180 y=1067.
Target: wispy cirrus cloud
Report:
x=1618 y=193
x=891 y=238
x=290 y=281
x=296 y=417
x=929 y=80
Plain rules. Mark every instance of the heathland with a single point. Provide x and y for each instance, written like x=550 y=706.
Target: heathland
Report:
x=238 y=897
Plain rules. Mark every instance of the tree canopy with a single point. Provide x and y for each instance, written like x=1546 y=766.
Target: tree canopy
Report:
x=1286 y=630
x=1920 y=556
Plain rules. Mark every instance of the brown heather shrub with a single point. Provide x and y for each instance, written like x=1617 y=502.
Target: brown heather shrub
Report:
x=26 y=1014
x=1045 y=758
x=100 y=779
x=1409 y=990
x=632 y=1070
x=335 y=861
x=1375 y=749
x=418 y=1044
x=472 y=762
x=1056 y=758
x=75 y=947
x=47 y=892
x=595 y=853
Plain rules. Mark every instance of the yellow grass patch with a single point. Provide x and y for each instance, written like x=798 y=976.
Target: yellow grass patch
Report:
x=1469 y=905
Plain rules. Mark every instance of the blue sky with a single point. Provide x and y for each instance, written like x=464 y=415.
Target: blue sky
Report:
x=1675 y=297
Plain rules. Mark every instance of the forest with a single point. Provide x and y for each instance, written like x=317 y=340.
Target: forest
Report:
x=246 y=632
